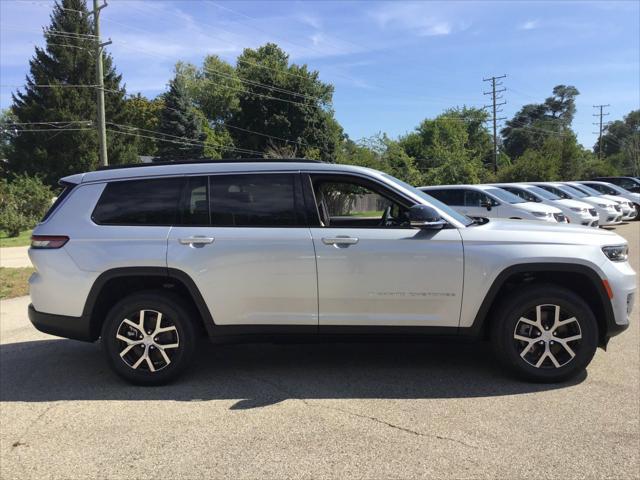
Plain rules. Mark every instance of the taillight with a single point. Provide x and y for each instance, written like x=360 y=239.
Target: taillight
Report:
x=48 y=241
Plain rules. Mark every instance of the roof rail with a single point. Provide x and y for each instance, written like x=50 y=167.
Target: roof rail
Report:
x=209 y=160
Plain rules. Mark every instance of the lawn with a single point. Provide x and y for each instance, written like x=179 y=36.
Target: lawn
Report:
x=14 y=282
x=22 y=240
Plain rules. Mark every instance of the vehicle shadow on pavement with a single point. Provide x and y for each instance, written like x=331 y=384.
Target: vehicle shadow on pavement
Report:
x=258 y=375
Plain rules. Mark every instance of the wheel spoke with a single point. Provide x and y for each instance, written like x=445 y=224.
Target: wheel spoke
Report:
x=165 y=356
x=168 y=345
x=526 y=349
x=142 y=358
x=170 y=328
x=567 y=348
x=134 y=325
x=553 y=359
x=572 y=338
x=150 y=364
x=128 y=341
x=556 y=317
x=158 y=323
x=524 y=339
x=126 y=350
x=564 y=322
x=529 y=322
x=541 y=359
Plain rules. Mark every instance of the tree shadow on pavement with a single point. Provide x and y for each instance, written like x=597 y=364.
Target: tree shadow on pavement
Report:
x=258 y=375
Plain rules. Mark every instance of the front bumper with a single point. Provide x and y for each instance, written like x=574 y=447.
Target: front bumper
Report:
x=76 y=328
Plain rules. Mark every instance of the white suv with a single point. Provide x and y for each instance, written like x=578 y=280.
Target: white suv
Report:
x=149 y=258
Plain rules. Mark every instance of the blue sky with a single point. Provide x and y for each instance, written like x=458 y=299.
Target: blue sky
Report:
x=392 y=63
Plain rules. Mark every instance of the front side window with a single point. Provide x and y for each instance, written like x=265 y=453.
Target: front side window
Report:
x=267 y=200
x=139 y=202
x=350 y=203
x=474 y=198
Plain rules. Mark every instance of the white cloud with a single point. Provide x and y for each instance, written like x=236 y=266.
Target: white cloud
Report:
x=529 y=25
x=419 y=18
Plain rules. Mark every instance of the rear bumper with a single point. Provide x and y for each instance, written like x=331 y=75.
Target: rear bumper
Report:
x=76 y=328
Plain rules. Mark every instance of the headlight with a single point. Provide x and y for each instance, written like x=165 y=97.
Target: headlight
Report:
x=616 y=253
x=579 y=209
x=540 y=214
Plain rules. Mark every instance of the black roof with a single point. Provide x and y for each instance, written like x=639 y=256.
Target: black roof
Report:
x=209 y=160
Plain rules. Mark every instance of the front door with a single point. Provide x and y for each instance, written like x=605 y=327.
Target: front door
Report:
x=373 y=268
x=245 y=243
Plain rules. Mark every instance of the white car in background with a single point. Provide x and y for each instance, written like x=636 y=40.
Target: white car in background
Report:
x=576 y=212
x=492 y=202
x=626 y=208
x=609 y=212
x=615 y=190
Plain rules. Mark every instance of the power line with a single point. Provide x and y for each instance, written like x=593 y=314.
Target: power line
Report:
x=600 y=114
x=495 y=95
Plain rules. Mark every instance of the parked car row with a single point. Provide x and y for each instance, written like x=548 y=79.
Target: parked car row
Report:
x=590 y=203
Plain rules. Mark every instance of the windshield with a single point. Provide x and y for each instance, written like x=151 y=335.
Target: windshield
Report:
x=573 y=191
x=436 y=203
x=587 y=190
x=543 y=193
x=503 y=195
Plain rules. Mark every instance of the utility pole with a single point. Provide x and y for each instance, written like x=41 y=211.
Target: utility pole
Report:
x=102 y=129
x=495 y=95
x=600 y=123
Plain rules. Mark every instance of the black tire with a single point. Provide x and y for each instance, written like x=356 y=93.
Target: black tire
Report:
x=524 y=303
x=176 y=317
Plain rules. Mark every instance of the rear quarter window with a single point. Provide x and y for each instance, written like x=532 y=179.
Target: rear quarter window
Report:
x=150 y=202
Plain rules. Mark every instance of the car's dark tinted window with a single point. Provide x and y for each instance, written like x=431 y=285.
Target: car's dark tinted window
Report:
x=194 y=209
x=253 y=200
x=139 y=202
x=449 y=197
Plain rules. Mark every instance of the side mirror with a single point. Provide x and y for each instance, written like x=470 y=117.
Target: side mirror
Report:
x=486 y=205
x=426 y=218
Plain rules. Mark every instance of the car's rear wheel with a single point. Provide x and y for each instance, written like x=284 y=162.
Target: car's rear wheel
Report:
x=149 y=338
x=545 y=333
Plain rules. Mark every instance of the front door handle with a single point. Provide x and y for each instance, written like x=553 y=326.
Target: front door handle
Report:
x=340 y=241
x=196 y=241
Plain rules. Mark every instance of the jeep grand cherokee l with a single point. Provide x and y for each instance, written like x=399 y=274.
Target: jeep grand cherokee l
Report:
x=149 y=258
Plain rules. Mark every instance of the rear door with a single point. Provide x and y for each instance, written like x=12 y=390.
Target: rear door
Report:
x=243 y=239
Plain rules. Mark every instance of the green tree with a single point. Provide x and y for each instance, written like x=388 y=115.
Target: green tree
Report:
x=213 y=88
x=621 y=144
x=531 y=125
x=180 y=126
x=66 y=60
x=145 y=115
x=285 y=101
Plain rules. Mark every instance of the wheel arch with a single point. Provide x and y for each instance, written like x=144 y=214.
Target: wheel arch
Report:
x=113 y=284
x=581 y=279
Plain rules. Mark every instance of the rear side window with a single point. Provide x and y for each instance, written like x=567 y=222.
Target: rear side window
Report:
x=139 y=202
x=267 y=200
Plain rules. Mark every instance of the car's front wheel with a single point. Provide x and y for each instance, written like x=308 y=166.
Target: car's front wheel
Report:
x=545 y=333
x=149 y=338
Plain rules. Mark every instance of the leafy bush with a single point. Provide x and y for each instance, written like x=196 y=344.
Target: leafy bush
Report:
x=23 y=202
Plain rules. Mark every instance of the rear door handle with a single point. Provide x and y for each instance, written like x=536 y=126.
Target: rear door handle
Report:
x=340 y=241
x=196 y=241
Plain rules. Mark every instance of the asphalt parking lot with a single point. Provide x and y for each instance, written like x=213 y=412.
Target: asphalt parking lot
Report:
x=442 y=410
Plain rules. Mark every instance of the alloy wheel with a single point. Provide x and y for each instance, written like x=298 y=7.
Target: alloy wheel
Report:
x=547 y=336
x=148 y=344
